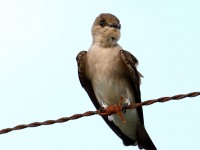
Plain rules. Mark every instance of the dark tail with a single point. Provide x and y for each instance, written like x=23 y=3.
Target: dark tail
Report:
x=143 y=139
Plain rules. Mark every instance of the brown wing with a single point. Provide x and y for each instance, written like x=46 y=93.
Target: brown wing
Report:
x=86 y=84
x=143 y=139
x=135 y=77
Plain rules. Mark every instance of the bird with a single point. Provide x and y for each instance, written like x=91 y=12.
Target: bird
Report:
x=107 y=72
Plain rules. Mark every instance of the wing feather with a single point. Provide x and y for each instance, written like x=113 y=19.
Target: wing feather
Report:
x=85 y=82
x=143 y=139
x=135 y=77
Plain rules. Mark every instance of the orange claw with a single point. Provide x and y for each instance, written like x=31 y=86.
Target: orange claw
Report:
x=116 y=109
x=120 y=112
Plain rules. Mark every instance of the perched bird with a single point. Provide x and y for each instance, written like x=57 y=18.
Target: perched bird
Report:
x=107 y=72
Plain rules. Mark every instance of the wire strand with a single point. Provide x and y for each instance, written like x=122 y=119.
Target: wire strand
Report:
x=104 y=113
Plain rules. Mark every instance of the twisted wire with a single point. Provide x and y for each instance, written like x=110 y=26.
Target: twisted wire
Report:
x=104 y=113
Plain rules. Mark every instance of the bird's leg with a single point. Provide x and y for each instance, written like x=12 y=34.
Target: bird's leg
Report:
x=119 y=112
x=103 y=106
x=125 y=102
x=117 y=108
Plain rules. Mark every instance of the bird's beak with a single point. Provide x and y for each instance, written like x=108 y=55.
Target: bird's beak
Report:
x=115 y=25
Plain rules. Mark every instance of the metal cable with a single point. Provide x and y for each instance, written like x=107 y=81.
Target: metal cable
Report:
x=111 y=110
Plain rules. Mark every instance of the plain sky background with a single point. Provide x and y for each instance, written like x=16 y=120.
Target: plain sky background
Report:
x=39 y=41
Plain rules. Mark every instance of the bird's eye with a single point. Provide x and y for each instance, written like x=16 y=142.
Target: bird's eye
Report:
x=102 y=23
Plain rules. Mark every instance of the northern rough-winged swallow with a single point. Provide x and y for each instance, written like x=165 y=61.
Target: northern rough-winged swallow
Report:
x=108 y=72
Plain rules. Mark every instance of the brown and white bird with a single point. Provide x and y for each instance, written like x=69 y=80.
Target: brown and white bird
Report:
x=108 y=72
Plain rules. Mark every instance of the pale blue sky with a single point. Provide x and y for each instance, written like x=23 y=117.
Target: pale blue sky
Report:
x=39 y=41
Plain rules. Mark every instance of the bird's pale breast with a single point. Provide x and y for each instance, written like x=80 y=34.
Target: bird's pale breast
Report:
x=109 y=79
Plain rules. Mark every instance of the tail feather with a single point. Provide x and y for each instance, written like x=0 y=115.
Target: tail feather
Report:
x=143 y=139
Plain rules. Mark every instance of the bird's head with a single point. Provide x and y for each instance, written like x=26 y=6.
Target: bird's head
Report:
x=106 y=30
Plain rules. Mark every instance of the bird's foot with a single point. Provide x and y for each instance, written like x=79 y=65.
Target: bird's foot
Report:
x=105 y=109
x=121 y=108
x=103 y=106
x=112 y=109
x=126 y=102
